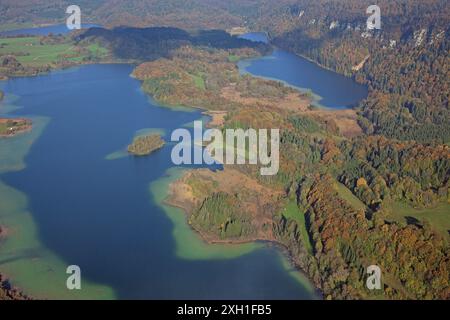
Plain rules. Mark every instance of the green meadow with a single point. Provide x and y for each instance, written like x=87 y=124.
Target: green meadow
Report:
x=199 y=81
x=29 y=51
x=438 y=217
x=293 y=212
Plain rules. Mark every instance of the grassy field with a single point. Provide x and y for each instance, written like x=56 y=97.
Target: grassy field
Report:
x=98 y=50
x=29 y=51
x=293 y=212
x=438 y=217
x=198 y=80
x=3 y=128
x=348 y=196
x=233 y=58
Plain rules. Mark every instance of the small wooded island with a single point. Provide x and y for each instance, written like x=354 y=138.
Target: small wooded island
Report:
x=11 y=127
x=145 y=145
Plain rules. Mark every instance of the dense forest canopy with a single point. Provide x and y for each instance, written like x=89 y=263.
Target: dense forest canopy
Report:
x=405 y=63
x=201 y=14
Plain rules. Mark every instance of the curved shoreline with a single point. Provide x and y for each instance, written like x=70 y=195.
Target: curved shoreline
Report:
x=184 y=206
x=22 y=250
x=23 y=126
x=299 y=274
x=189 y=245
x=234 y=242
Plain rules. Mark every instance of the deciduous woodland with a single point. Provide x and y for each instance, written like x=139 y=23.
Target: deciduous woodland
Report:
x=356 y=187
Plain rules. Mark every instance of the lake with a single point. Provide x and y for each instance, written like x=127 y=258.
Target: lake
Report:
x=91 y=206
x=70 y=195
x=330 y=90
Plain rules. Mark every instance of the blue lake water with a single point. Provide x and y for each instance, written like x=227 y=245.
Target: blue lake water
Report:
x=98 y=214
x=334 y=90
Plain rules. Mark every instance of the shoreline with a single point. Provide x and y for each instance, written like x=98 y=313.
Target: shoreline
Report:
x=168 y=201
x=209 y=240
x=316 y=98
x=346 y=117
x=186 y=207
x=66 y=67
x=171 y=198
x=31 y=26
x=313 y=61
x=8 y=291
x=352 y=76
x=283 y=249
x=22 y=234
x=23 y=126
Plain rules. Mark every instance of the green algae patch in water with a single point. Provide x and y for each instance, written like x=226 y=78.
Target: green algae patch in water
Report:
x=26 y=261
x=116 y=155
x=189 y=245
x=147 y=131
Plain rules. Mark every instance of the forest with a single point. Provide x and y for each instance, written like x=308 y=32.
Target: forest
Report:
x=405 y=64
